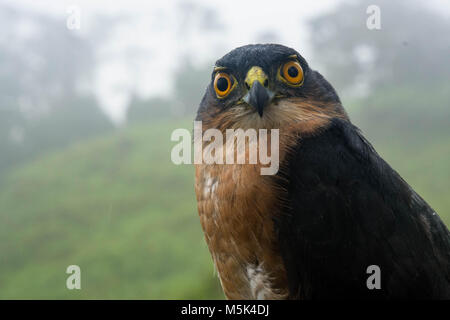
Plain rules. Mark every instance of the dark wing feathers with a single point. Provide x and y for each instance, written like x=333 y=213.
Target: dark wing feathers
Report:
x=348 y=209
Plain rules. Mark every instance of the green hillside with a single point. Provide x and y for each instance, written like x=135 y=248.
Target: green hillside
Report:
x=117 y=207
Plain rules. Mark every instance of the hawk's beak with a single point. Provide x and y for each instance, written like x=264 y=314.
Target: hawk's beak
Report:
x=258 y=95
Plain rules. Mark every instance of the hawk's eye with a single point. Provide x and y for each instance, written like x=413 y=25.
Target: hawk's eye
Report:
x=292 y=73
x=222 y=84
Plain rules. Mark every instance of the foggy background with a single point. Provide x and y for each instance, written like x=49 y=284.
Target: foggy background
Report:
x=86 y=116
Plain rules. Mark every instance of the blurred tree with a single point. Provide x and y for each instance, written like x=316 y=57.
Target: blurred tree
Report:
x=411 y=46
x=401 y=71
x=45 y=76
x=144 y=110
x=192 y=74
x=189 y=86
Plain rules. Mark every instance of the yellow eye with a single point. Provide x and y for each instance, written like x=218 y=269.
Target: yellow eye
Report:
x=292 y=73
x=222 y=84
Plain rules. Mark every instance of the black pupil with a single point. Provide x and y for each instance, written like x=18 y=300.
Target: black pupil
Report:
x=293 y=72
x=222 y=84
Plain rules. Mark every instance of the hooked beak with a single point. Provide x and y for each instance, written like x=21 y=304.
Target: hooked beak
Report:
x=258 y=96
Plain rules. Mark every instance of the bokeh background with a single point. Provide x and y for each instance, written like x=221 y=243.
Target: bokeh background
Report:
x=86 y=116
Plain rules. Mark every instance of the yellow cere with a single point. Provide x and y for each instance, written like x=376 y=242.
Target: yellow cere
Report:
x=255 y=74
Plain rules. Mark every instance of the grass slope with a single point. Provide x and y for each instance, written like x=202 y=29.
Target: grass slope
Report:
x=119 y=209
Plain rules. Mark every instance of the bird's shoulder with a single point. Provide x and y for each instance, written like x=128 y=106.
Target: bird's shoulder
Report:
x=346 y=209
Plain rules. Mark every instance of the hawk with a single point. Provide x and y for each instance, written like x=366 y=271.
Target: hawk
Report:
x=335 y=208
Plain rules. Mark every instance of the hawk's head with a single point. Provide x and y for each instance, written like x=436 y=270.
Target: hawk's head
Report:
x=265 y=86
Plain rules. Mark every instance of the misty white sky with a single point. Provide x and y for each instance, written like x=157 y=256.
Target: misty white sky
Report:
x=145 y=48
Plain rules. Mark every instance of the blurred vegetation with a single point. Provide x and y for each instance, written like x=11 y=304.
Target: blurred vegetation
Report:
x=117 y=207
x=394 y=81
x=45 y=73
x=74 y=189
x=189 y=85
